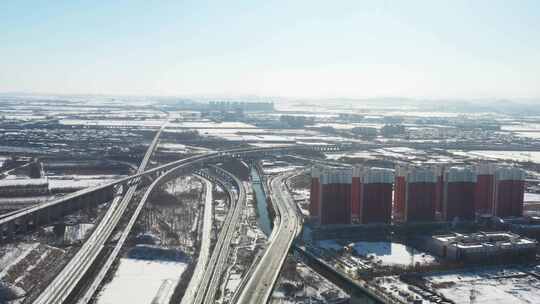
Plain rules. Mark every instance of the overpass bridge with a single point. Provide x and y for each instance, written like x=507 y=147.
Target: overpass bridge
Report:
x=30 y=218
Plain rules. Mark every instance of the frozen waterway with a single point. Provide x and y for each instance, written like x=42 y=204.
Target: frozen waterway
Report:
x=262 y=207
x=142 y=281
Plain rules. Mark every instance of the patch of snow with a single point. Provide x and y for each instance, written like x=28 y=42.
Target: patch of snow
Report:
x=13 y=255
x=491 y=286
x=531 y=197
x=141 y=281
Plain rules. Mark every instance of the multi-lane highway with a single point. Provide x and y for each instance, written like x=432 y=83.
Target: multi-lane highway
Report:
x=259 y=286
x=44 y=212
x=206 y=292
x=63 y=285
x=204 y=252
x=68 y=278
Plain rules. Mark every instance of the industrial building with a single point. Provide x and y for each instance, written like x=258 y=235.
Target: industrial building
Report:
x=376 y=196
x=481 y=246
x=415 y=193
x=459 y=194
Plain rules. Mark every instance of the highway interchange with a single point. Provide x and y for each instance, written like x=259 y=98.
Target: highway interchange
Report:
x=264 y=274
x=66 y=281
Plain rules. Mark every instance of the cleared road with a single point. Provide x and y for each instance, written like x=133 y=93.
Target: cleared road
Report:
x=204 y=254
x=261 y=283
x=206 y=293
x=68 y=278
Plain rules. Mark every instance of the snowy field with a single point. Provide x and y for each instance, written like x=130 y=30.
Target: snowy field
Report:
x=385 y=253
x=518 y=156
x=336 y=156
x=78 y=182
x=277 y=169
x=531 y=197
x=392 y=253
x=491 y=286
x=142 y=282
x=12 y=254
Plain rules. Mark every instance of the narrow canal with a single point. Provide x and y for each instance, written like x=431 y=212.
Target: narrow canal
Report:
x=262 y=208
x=357 y=295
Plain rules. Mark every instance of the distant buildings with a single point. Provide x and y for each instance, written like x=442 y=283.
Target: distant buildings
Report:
x=415 y=193
x=241 y=106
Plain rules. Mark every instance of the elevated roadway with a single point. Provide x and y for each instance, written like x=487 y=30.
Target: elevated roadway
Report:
x=260 y=284
x=204 y=253
x=69 y=277
x=20 y=222
x=208 y=287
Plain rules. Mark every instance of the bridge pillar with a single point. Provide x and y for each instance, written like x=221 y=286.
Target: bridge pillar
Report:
x=41 y=217
x=3 y=233
x=8 y=231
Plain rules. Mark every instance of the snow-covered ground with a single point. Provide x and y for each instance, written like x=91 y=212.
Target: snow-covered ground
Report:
x=142 y=281
x=182 y=185
x=385 y=253
x=309 y=287
x=12 y=254
x=394 y=288
x=392 y=253
x=76 y=232
x=276 y=170
x=78 y=183
x=532 y=197
x=491 y=286
x=336 y=156
x=519 y=156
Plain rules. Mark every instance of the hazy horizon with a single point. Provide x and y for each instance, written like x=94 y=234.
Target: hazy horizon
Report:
x=459 y=50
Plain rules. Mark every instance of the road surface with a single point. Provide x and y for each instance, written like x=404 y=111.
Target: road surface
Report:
x=206 y=293
x=204 y=254
x=68 y=278
x=261 y=283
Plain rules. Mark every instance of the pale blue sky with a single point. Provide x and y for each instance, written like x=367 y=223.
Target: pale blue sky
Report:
x=440 y=49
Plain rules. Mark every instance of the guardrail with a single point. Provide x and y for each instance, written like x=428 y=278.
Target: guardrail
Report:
x=25 y=215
